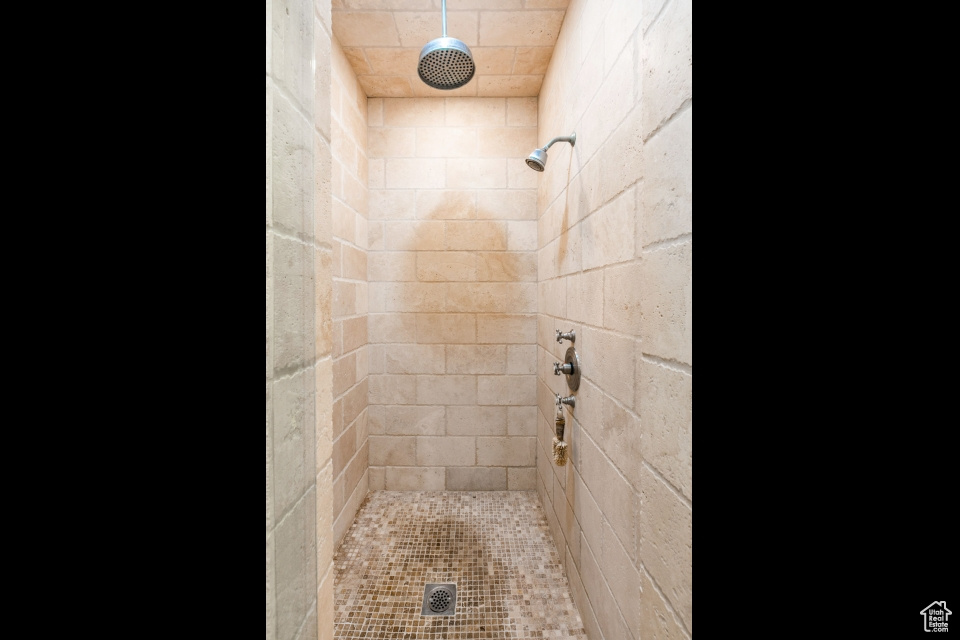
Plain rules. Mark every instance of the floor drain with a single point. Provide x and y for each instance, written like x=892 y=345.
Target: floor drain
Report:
x=439 y=599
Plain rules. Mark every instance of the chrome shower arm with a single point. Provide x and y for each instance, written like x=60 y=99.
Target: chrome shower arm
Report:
x=572 y=139
x=444 y=18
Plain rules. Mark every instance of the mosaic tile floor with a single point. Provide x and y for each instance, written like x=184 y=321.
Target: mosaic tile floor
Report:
x=494 y=545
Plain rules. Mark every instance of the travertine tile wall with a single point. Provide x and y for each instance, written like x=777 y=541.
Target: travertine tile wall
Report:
x=452 y=281
x=348 y=124
x=615 y=258
x=299 y=545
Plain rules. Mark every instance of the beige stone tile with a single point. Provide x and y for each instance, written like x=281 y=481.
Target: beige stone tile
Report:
x=657 y=618
x=414 y=478
x=666 y=413
x=446 y=142
x=509 y=390
x=608 y=236
x=476 y=479
x=475 y=359
x=392 y=266
x=419 y=173
x=355 y=401
x=618 y=501
x=521 y=479
x=446 y=266
x=522 y=112
x=477 y=421
x=366 y=29
x=506 y=266
x=510 y=142
x=666 y=196
x=415 y=296
x=393 y=142
x=608 y=360
x=621 y=298
x=354 y=333
x=344 y=448
x=510 y=451
x=446 y=389
x=454 y=451
x=413 y=112
x=475 y=173
x=492 y=297
x=423 y=90
x=664 y=528
x=472 y=112
x=521 y=359
x=422 y=235
x=376 y=174
x=521 y=421
x=509 y=86
x=414 y=421
x=494 y=60
x=503 y=28
x=344 y=374
x=519 y=175
x=522 y=236
x=416 y=29
x=414 y=358
x=666 y=58
x=469 y=235
x=357 y=59
x=392 y=327
x=385 y=61
x=392 y=450
x=446 y=328
x=377 y=479
x=446 y=204
x=354 y=263
x=666 y=303
x=506 y=329
x=507 y=204
x=392 y=389
x=386 y=86
x=532 y=60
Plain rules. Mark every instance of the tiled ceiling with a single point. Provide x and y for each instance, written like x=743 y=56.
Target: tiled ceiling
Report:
x=511 y=42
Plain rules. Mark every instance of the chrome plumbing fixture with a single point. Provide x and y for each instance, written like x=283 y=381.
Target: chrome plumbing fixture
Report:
x=570 y=368
x=570 y=401
x=446 y=63
x=538 y=158
x=439 y=599
x=569 y=335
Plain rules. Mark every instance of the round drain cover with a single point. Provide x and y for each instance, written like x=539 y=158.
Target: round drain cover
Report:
x=440 y=599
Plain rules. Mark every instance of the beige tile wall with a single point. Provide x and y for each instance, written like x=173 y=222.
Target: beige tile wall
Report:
x=452 y=271
x=615 y=249
x=350 y=385
x=299 y=545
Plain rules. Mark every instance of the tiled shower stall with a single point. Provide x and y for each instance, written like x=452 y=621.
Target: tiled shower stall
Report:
x=417 y=272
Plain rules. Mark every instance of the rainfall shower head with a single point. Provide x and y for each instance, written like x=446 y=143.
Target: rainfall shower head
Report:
x=538 y=159
x=446 y=63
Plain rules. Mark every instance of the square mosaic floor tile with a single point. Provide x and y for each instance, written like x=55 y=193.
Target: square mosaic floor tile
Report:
x=495 y=546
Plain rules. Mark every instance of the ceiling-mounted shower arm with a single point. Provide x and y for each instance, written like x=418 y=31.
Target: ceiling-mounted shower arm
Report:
x=444 y=8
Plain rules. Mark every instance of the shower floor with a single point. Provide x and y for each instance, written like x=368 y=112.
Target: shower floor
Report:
x=494 y=545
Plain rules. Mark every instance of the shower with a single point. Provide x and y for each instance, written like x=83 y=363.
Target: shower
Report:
x=538 y=159
x=446 y=63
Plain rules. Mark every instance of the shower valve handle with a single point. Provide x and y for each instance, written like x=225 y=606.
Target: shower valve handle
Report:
x=569 y=335
x=570 y=401
x=565 y=368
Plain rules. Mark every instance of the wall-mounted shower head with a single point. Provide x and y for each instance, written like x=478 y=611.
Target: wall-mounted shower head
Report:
x=538 y=159
x=446 y=63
